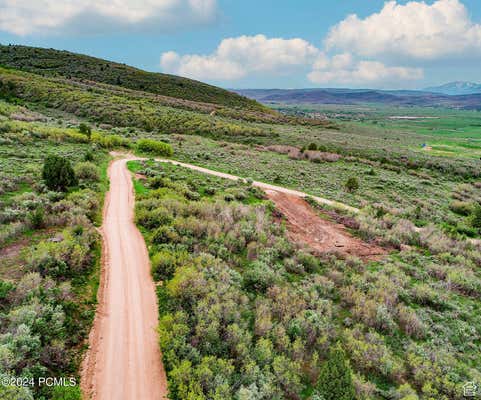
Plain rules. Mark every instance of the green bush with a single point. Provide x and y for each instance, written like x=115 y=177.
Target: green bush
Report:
x=352 y=184
x=461 y=207
x=89 y=156
x=165 y=234
x=37 y=218
x=66 y=393
x=5 y=288
x=312 y=147
x=87 y=171
x=58 y=173
x=155 y=147
x=165 y=263
x=152 y=219
x=85 y=130
x=476 y=218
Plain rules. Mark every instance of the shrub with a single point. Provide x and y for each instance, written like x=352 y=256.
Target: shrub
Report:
x=210 y=191
x=66 y=393
x=165 y=262
x=51 y=266
x=89 y=156
x=152 y=219
x=476 y=217
x=155 y=147
x=37 y=218
x=229 y=197
x=58 y=173
x=259 y=277
x=461 y=207
x=87 y=171
x=85 y=130
x=352 y=184
x=191 y=195
x=110 y=141
x=5 y=288
x=165 y=234
x=312 y=146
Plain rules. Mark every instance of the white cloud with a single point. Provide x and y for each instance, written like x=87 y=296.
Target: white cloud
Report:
x=415 y=29
x=201 y=67
x=341 y=61
x=235 y=58
x=321 y=62
x=25 y=17
x=343 y=70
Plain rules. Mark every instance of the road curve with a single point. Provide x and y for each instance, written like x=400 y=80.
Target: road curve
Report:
x=264 y=186
x=124 y=360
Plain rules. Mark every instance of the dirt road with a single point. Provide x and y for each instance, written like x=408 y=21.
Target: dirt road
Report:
x=124 y=360
x=305 y=226
x=262 y=185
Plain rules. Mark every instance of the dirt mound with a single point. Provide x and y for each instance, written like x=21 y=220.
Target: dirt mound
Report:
x=323 y=236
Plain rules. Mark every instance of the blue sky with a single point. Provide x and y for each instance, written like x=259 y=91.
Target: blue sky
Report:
x=304 y=43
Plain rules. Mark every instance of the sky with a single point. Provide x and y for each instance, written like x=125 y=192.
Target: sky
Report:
x=265 y=43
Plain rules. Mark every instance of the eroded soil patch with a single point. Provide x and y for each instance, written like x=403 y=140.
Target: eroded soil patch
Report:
x=323 y=236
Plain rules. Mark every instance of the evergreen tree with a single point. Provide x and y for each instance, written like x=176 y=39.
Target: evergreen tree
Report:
x=58 y=173
x=335 y=378
x=352 y=184
x=85 y=129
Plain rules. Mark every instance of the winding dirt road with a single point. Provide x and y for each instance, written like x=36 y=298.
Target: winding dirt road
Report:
x=124 y=360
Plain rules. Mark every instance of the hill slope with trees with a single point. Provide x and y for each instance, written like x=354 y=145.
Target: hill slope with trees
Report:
x=52 y=62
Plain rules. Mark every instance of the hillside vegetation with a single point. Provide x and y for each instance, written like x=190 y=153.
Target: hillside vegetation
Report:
x=52 y=62
x=246 y=312
x=49 y=251
x=106 y=106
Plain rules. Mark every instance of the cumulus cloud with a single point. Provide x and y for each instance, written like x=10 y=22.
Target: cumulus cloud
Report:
x=235 y=58
x=201 y=67
x=415 y=29
x=25 y=17
x=343 y=70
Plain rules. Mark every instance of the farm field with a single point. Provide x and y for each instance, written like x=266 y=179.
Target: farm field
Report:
x=253 y=303
x=448 y=132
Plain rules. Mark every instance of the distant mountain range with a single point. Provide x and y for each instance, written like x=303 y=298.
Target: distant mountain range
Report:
x=420 y=98
x=456 y=88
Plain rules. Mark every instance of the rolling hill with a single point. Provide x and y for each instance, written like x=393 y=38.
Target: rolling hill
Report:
x=363 y=96
x=50 y=62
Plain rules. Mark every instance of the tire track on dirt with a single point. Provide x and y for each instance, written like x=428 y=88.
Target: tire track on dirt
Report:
x=124 y=360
